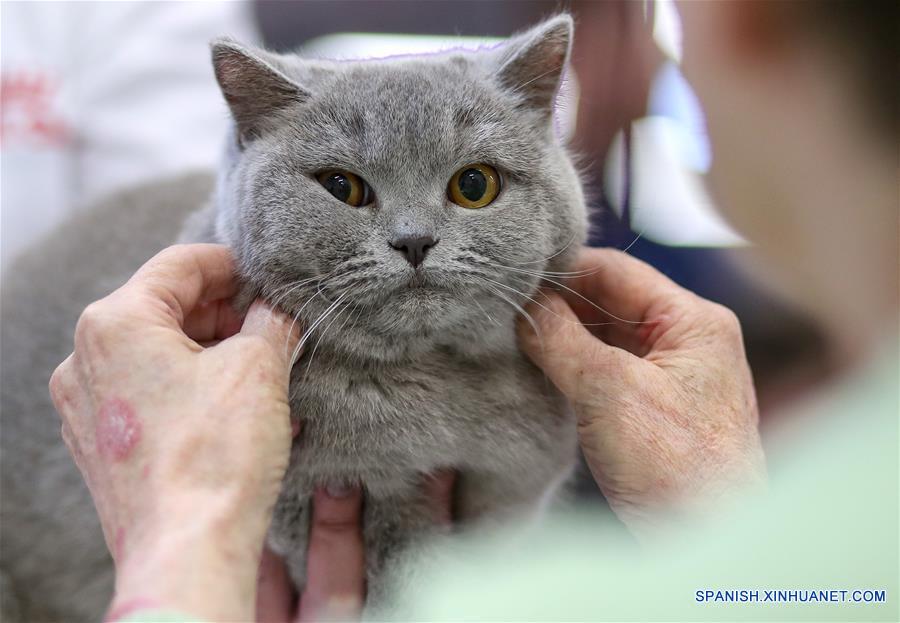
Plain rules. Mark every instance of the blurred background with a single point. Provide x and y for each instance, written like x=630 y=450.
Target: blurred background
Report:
x=97 y=96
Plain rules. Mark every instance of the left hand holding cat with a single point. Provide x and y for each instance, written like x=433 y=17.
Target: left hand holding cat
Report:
x=181 y=445
x=176 y=412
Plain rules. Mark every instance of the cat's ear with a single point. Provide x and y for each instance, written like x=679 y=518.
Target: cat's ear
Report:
x=532 y=64
x=255 y=88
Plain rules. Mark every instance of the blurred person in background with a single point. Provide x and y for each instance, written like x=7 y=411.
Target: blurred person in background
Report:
x=801 y=104
x=99 y=96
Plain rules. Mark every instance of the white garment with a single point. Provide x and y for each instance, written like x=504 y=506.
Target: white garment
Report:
x=97 y=96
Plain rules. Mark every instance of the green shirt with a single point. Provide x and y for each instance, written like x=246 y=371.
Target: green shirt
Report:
x=828 y=524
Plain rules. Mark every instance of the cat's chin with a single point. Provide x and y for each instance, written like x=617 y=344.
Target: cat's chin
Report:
x=415 y=311
x=421 y=303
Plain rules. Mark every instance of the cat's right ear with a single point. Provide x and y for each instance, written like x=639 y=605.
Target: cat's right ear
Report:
x=533 y=62
x=256 y=90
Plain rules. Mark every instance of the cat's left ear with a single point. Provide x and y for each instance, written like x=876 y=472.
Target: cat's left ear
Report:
x=532 y=64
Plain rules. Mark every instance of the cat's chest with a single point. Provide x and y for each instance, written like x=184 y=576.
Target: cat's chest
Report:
x=413 y=413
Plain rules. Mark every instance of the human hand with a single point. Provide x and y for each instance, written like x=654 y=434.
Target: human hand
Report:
x=335 y=567
x=658 y=379
x=183 y=447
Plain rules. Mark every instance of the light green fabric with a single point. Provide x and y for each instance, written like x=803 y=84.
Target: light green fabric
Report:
x=152 y=615
x=829 y=522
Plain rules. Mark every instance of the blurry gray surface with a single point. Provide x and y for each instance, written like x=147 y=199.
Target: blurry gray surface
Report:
x=285 y=25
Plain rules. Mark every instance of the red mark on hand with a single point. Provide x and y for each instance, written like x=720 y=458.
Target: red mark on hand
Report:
x=118 y=430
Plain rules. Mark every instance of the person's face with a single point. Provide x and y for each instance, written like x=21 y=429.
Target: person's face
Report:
x=792 y=168
x=739 y=114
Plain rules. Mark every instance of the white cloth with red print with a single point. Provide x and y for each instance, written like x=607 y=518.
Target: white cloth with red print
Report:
x=97 y=96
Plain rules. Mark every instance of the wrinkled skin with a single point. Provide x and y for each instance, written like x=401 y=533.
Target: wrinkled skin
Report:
x=139 y=398
x=667 y=415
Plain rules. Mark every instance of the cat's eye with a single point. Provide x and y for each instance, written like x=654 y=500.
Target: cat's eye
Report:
x=347 y=187
x=474 y=186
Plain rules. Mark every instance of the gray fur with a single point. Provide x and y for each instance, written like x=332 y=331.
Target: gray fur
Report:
x=54 y=561
x=410 y=371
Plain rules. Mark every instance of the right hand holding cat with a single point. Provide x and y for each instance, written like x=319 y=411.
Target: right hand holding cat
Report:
x=658 y=379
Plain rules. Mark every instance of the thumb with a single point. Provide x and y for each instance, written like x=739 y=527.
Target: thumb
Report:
x=570 y=355
x=274 y=326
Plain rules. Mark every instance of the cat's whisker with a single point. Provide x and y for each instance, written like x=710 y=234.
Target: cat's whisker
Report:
x=483 y=311
x=520 y=310
x=274 y=305
x=287 y=340
x=542 y=260
x=575 y=273
x=351 y=317
x=321 y=336
x=632 y=243
x=315 y=325
x=293 y=323
x=296 y=353
x=323 y=280
x=318 y=292
x=590 y=271
x=583 y=324
x=291 y=284
x=291 y=288
x=528 y=316
x=561 y=250
x=287 y=289
x=568 y=289
x=532 y=300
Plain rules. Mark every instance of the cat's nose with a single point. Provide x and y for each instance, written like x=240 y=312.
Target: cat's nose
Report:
x=414 y=247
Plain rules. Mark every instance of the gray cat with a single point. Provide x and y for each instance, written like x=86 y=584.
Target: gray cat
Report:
x=402 y=210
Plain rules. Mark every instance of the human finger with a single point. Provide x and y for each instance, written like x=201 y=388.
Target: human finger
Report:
x=610 y=285
x=274 y=326
x=214 y=320
x=335 y=575
x=439 y=492
x=274 y=593
x=183 y=276
x=571 y=357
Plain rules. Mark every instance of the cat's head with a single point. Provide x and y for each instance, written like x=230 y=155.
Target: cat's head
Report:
x=416 y=196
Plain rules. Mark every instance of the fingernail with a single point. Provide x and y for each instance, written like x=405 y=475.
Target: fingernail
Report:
x=338 y=491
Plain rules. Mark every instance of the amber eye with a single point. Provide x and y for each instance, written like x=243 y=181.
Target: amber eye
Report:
x=474 y=186
x=347 y=187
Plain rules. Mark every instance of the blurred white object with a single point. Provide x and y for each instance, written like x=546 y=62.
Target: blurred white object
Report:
x=362 y=46
x=101 y=95
x=667 y=28
x=657 y=177
x=667 y=200
x=671 y=96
